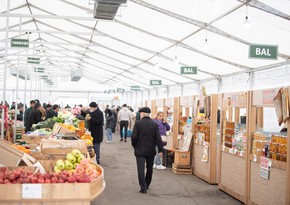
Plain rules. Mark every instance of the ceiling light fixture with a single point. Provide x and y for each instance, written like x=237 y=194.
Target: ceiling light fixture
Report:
x=156 y=66
x=246 y=23
x=205 y=43
x=175 y=60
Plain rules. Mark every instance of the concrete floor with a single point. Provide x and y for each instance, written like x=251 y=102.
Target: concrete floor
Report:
x=122 y=187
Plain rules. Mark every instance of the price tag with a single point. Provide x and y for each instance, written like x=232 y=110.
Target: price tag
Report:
x=31 y=191
x=255 y=158
x=241 y=153
x=270 y=163
x=231 y=151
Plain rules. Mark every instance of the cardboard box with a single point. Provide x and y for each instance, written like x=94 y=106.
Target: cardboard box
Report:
x=181 y=158
x=33 y=139
x=62 y=147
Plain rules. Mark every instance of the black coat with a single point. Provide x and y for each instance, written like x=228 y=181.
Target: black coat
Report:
x=145 y=137
x=96 y=125
x=33 y=118
x=50 y=114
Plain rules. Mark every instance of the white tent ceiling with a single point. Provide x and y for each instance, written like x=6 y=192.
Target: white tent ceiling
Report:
x=123 y=52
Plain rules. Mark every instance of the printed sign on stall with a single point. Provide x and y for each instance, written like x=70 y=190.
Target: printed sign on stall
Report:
x=265 y=165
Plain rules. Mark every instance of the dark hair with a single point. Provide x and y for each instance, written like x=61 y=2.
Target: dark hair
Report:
x=37 y=105
x=48 y=106
x=109 y=112
x=125 y=105
x=32 y=102
x=55 y=106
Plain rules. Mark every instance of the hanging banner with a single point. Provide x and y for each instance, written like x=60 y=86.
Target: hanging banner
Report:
x=155 y=82
x=263 y=51
x=265 y=165
x=33 y=60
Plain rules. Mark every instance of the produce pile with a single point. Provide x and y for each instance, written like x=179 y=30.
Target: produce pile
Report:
x=75 y=169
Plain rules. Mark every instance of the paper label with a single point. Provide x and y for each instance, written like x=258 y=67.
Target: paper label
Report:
x=31 y=191
x=231 y=151
x=255 y=158
x=241 y=153
x=235 y=151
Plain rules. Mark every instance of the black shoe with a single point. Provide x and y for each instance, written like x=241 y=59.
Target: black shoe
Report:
x=125 y=140
x=121 y=139
x=143 y=191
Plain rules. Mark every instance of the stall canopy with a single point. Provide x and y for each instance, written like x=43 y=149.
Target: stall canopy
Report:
x=146 y=40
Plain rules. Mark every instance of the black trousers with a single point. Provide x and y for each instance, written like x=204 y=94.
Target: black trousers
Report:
x=145 y=179
x=123 y=124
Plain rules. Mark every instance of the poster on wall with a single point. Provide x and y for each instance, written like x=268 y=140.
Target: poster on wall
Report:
x=265 y=165
x=205 y=152
x=285 y=104
x=278 y=106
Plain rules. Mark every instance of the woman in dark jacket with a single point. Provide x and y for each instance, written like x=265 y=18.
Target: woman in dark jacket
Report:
x=110 y=124
x=96 y=120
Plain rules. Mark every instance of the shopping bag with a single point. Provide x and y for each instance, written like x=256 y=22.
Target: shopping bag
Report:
x=129 y=132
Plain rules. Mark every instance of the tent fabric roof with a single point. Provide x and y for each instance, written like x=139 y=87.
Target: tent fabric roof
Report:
x=125 y=51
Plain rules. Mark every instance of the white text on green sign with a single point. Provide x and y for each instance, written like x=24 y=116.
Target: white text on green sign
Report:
x=39 y=70
x=188 y=70
x=135 y=88
x=33 y=60
x=120 y=90
x=155 y=82
x=263 y=51
x=19 y=43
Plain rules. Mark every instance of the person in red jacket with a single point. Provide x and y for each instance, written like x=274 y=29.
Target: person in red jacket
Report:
x=145 y=137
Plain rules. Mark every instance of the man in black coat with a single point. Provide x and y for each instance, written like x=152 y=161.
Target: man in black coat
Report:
x=145 y=137
x=96 y=120
x=35 y=116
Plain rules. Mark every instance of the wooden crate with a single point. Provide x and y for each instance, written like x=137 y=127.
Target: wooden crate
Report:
x=181 y=169
x=55 y=194
x=182 y=158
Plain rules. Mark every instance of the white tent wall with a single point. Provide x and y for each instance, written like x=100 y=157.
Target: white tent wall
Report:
x=190 y=89
x=162 y=93
x=175 y=91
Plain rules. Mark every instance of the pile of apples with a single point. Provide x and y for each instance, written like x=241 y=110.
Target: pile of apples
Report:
x=87 y=168
x=21 y=176
x=72 y=160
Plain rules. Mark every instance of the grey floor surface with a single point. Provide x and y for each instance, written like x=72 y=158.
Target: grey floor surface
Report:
x=167 y=188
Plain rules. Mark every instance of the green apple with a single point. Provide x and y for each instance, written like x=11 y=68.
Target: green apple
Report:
x=68 y=165
x=80 y=158
x=76 y=152
x=75 y=165
x=55 y=169
x=60 y=164
x=71 y=158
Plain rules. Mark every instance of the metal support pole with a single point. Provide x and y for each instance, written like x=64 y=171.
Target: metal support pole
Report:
x=17 y=87
x=219 y=85
x=5 y=68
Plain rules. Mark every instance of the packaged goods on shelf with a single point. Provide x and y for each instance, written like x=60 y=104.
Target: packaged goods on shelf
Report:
x=273 y=146
x=202 y=133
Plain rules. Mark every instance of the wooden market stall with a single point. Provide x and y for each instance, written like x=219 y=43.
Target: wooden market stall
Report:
x=205 y=144
x=268 y=164
x=232 y=176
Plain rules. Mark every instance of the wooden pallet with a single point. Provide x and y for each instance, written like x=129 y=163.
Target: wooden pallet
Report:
x=181 y=169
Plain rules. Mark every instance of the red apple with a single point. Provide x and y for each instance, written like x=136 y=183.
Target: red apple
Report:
x=7 y=181
x=26 y=181
x=71 y=179
x=60 y=181
x=40 y=180
x=1 y=181
x=47 y=181
x=12 y=177
x=54 y=180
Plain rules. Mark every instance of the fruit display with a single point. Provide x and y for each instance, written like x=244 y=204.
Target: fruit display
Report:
x=70 y=163
x=22 y=176
x=71 y=128
x=88 y=138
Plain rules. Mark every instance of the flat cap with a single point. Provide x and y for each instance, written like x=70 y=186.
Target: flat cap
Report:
x=145 y=109
x=93 y=104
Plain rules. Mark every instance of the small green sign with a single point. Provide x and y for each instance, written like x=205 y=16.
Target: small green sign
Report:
x=33 y=60
x=155 y=82
x=44 y=77
x=135 y=88
x=19 y=43
x=39 y=70
x=112 y=91
x=120 y=90
x=263 y=51
x=188 y=70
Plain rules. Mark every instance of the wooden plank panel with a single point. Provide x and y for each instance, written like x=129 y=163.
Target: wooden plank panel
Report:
x=288 y=159
x=176 y=117
x=268 y=191
x=201 y=169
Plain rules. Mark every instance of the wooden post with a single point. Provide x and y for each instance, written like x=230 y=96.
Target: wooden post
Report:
x=288 y=158
x=251 y=128
x=237 y=115
x=176 y=117
x=165 y=109
x=260 y=116
x=153 y=108
x=213 y=144
x=230 y=113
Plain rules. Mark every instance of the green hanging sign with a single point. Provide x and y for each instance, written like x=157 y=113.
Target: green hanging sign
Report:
x=20 y=43
x=135 y=88
x=188 y=70
x=33 y=60
x=155 y=82
x=120 y=90
x=263 y=51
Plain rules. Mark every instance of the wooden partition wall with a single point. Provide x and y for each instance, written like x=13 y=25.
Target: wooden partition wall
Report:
x=233 y=162
x=207 y=170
